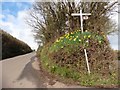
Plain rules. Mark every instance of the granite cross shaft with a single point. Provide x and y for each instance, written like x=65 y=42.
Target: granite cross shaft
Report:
x=81 y=20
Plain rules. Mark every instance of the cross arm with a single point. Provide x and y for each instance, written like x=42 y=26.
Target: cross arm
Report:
x=78 y=14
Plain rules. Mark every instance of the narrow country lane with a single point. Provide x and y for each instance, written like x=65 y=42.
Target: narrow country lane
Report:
x=24 y=72
x=21 y=71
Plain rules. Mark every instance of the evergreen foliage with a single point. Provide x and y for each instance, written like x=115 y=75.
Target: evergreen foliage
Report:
x=12 y=47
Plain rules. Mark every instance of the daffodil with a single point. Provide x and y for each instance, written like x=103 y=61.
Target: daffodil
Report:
x=78 y=30
x=74 y=39
x=87 y=41
x=53 y=67
x=79 y=40
x=84 y=36
x=66 y=36
x=71 y=32
x=62 y=47
x=46 y=64
x=57 y=40
x=61 y=37
x=89 y=36
x=100 y=41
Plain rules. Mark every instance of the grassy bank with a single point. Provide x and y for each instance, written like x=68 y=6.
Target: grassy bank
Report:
x=82 y=78
x=54 y=59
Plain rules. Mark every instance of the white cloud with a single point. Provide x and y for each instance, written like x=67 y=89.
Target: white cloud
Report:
x=17 y=27
x=1 y=16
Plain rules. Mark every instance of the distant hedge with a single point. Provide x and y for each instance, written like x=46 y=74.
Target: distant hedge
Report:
x=12 y=47
x=118 y=53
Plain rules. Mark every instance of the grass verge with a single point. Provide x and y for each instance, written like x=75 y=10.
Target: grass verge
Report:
x=83 y=79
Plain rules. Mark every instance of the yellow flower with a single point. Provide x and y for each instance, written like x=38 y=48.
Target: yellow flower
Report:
x=78 y=30
x=61 y=37
x=89 y=36
x=77 y=36
x=46 y=64
x=57 y=40
x=104 y=36
x=53 y=67
x=74 y=39
x=85 y=36
x=66 y=36
x=99 y=41
x=62 y=47
x=71 y=32
x=79 y=40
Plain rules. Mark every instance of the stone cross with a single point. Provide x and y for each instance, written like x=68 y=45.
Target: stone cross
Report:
x=81 y=20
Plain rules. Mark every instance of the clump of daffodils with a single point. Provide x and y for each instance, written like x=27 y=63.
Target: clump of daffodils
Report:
x=77 y=37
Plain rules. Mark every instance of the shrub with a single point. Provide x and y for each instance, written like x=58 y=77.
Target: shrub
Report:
x=68 y=51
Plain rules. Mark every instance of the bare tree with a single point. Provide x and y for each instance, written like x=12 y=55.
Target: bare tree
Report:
x=51 y=20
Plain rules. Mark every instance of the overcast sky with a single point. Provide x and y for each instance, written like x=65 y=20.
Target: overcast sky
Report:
x=12 y=20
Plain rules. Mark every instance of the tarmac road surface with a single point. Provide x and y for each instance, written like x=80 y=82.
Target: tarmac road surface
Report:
x=23 y=72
